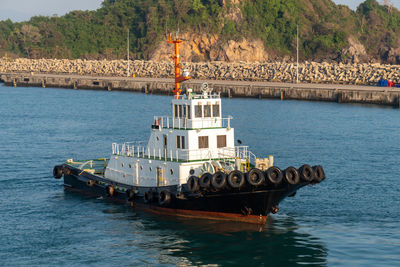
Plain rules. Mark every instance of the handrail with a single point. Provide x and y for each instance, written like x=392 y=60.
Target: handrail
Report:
x=195 y=123
x=183 y=155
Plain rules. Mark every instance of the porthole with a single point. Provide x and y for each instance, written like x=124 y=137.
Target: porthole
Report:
x=130 y=166
x=191 y=172
x=122 y=164
x=172 y=171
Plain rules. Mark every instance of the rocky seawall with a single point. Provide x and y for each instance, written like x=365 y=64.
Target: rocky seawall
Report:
x=309 y=72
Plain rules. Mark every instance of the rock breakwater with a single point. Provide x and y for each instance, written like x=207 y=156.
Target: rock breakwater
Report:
x=309 y=72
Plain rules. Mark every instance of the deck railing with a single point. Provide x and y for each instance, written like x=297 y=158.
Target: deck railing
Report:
x=137 y=149
x=184 y=123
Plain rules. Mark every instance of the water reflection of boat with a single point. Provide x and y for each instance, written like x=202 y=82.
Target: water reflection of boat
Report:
x=190 y=166
x=277 y=243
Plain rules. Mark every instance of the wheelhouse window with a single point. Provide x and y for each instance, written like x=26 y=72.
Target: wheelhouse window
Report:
x=180 y=111
x=180 y=142
x=176 y=111
x=221 y=141
x=207 y=111
x=198 y=111
x=188 y=112
x=203 y=141
x=216 y=110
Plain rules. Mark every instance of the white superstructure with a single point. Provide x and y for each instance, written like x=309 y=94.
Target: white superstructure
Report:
x=195 y=139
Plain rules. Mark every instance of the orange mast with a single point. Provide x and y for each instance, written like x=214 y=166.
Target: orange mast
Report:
x=178 y=78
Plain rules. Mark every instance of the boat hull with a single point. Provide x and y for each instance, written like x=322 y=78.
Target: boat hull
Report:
x=251 y=206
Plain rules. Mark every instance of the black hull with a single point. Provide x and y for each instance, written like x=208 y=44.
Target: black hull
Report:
x=251 y=206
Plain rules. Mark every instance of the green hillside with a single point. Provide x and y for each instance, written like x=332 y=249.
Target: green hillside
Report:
x=324 y=27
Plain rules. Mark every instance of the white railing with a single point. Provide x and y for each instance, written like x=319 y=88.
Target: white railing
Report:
x=205 y=95
x=136 y=149
x=183 y=123
x=129 y=149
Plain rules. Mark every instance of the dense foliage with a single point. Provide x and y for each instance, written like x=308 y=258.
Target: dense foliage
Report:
x=324 y=27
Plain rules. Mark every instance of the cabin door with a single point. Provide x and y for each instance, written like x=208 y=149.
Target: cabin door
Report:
x=160 y=176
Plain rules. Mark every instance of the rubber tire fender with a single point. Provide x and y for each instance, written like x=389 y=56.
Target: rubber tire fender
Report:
x=90 y=183
x=57 y=171
x=236 y=179
x=205 y=181
x=110 y=191
x=255 y=177
x=274 y=175
x=193 y=184
x=306 y=173
x=319 y=174
x=130 y=194
x=291 y=175
x=148 y=197
x=164 y=199
x=218 y=180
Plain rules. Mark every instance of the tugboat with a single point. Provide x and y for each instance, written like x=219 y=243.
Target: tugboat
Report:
x=190 y=165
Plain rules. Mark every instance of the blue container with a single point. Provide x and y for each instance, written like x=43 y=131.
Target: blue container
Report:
x=385 y=83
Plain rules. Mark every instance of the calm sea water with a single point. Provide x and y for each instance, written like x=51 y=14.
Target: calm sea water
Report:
x=352 y=218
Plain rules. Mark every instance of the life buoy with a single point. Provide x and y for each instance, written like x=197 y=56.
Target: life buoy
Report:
x=255 y=177
x=291 y=176
x=306 y=173
x=164 y=198
x=274 y=175
x=218 y=180
x=193 y=184
x=57 y=171
x=205 y=181
x=319 y=173
x=236 y=179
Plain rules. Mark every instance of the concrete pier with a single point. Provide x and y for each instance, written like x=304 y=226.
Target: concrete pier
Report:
x=389 y=96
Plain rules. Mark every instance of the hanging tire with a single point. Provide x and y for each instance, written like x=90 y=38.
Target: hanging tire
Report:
x=306 y=173
x=255 y=177
x=193 y=184
x=110 y=191
x=164 y=199
x=205 y=181
x=319 y=174
x=274 y=175
x=291 y=176
x=148 y=197
x=57 y=171
x=90 y=183
x=236 y=179
x=218 y=181
x=130 y=194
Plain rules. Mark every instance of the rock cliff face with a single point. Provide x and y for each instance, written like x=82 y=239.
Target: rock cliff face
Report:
x=209 y=47
x=309 y=72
